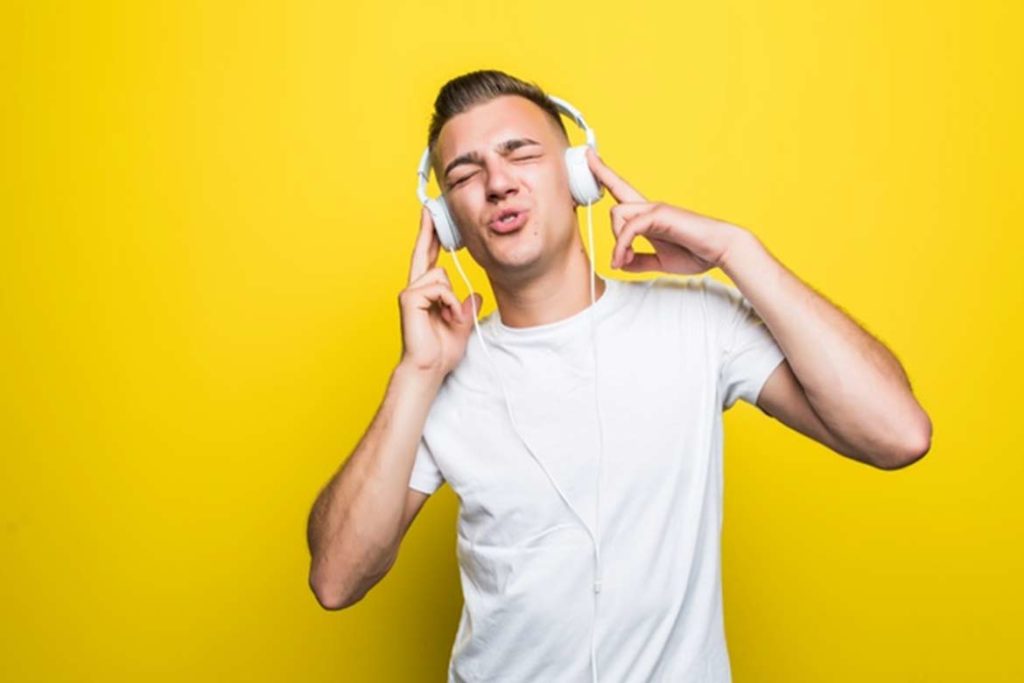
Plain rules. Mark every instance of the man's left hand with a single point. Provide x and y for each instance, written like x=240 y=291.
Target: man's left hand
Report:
x=684 y=242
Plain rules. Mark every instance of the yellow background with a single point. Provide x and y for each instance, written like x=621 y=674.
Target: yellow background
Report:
x=207 y=215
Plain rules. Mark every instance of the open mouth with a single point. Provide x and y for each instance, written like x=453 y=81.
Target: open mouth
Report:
x=509 y=221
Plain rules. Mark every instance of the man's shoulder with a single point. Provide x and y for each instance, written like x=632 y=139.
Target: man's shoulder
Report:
x=698 y=299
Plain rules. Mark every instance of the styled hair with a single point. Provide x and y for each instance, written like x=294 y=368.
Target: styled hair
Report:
x=477 y=87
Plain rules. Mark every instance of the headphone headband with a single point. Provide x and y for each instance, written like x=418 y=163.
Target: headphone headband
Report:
x=576 y=116
x=424 y=175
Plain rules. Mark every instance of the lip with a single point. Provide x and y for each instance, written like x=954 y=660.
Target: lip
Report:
x=503 y=228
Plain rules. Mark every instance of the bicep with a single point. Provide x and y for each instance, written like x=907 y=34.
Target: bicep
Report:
x=783 y=398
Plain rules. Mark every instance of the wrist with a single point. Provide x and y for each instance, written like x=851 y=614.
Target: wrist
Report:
x=426 y=377
x=739 y=246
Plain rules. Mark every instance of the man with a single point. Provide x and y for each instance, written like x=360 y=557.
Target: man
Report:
x=673 y=354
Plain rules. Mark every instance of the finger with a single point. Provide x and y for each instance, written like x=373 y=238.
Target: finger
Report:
x=471 y=307
x=620 y=189
x=642 y=263
x=435 y=248
x=422 y=259
x=442 y=295
x=620 y=213
x=644 y=224
x=436 y=274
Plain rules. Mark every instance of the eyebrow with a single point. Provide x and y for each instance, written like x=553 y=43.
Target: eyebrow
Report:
x=474 y=158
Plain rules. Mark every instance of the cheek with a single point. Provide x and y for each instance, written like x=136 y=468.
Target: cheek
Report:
x=551 y=185
x=463 y=210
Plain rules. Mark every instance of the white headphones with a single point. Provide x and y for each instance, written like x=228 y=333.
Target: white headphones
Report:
x=584 y=187
x=586 y=191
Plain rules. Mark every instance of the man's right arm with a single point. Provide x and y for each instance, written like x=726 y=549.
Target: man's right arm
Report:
x=362 y=514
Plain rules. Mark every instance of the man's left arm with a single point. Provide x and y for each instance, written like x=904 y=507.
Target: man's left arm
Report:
x=837 y=385
x=851 y=381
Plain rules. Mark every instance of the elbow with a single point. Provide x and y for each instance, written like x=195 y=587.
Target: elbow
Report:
x=344 y=584
x=331 y=594
x=915 y=449
x=331 y=601
x=341 y=590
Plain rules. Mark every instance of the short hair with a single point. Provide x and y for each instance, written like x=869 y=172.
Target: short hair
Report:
x=477 y=87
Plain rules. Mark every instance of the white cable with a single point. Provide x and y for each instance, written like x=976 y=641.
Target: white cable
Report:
x=508 y=404
x=600 y=435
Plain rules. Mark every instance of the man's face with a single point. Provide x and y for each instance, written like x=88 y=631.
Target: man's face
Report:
x=508 y=155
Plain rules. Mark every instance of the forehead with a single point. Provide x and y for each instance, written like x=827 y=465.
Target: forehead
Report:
x=481 y=127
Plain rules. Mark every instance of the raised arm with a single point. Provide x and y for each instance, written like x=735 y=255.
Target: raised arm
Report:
x=838 y=384
x=361 y=515
x=850 y=381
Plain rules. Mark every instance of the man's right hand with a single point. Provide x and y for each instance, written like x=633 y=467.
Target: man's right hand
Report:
x=435 y=325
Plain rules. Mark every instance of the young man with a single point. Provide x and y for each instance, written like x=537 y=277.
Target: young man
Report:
x=673 y=354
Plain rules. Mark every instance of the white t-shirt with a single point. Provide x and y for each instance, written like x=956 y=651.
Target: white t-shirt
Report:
x=672 y=354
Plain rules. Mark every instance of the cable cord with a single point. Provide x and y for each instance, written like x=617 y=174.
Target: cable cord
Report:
x=600 y=452
x=594 y=537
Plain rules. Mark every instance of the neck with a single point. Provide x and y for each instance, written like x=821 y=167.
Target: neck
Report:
x=551 y=296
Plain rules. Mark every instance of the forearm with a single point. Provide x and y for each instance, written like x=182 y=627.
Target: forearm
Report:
x=356 y=520
x=855 y=384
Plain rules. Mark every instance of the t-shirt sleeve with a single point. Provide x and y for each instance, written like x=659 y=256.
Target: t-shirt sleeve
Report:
x=426 y=476
x=748 y=353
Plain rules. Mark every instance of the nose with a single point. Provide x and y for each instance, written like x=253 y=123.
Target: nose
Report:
x=500 y=180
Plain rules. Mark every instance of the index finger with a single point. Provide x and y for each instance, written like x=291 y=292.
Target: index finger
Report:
x=620 y=189
x=424 y=254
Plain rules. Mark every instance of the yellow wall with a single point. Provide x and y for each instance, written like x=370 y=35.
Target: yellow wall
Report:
x=207 y=214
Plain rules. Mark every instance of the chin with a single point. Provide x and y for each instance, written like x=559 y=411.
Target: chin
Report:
x=522 y=258
x=519 y=262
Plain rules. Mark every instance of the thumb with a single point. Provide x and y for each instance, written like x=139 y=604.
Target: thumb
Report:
x=467 y=306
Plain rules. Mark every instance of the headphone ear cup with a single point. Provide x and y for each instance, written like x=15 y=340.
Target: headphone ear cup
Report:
x=444 y=226
x=582 y=184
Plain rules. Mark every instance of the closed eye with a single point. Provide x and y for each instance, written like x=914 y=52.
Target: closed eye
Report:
x=521 y=157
